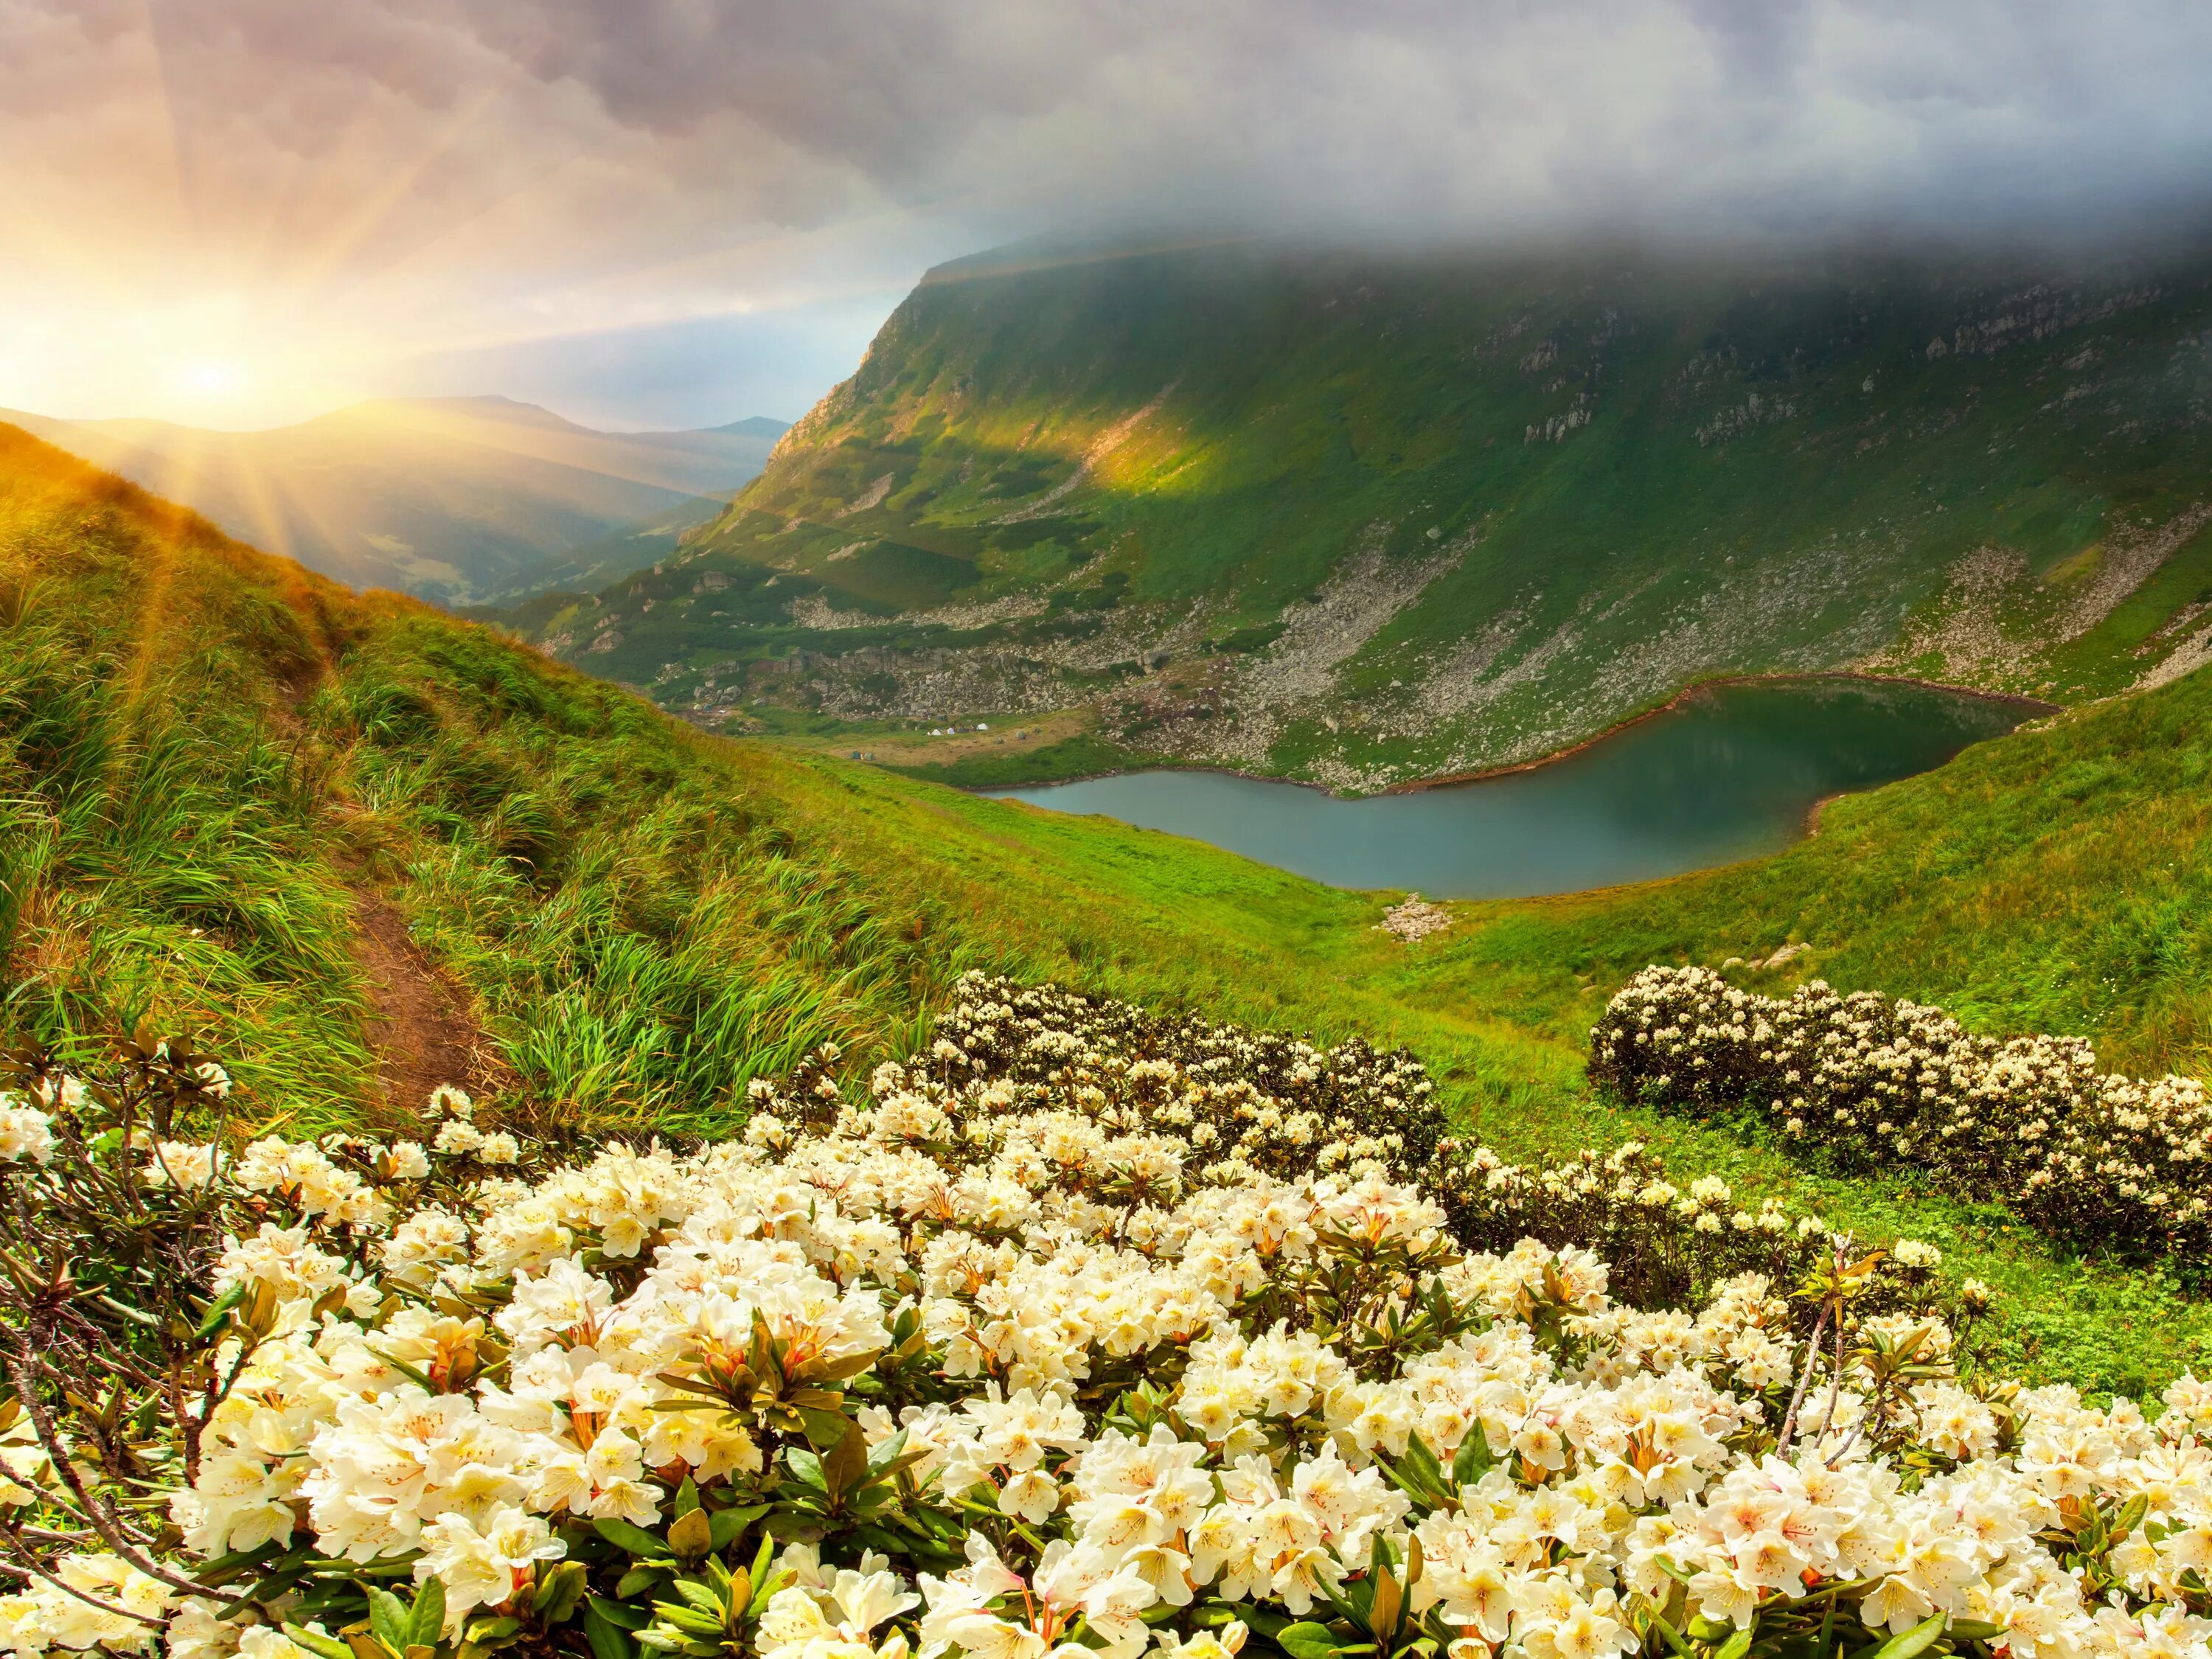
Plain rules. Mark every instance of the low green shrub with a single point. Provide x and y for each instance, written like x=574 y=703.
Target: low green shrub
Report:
x=2099 y=1160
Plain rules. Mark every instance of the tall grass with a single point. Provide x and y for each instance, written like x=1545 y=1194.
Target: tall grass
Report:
x=642 y=943
x=160 y=865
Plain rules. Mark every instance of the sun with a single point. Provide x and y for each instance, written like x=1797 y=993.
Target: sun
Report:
x=209 y=377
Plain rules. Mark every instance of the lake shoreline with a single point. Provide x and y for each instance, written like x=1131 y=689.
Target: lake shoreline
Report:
x=1742 y=769
x=1699 y=688
x=1447 y=779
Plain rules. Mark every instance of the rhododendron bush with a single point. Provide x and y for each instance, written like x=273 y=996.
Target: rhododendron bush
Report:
x=2097 y=1158
x=1079 y=1336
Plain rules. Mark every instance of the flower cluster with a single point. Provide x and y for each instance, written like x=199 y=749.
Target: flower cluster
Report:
x=1011 y=1360
x=1258 y=1100
x=1666 y=1245
x=2097 y=1158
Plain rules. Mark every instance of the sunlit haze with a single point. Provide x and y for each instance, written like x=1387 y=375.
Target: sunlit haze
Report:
x=240 y=212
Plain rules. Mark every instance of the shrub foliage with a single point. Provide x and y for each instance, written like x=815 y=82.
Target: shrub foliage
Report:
x=2096 y=1158
x=1080 y=1335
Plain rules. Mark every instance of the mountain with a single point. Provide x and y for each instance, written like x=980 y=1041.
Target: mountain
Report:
x=353 y=846
x=1358 y=520
x=460 y=500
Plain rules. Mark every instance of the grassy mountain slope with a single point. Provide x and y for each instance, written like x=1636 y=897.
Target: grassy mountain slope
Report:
x=454 y=499
x=221 y=777
x=1355 y=520
x=218 y=768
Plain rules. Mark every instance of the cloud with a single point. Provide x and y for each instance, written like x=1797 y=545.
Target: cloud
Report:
x=459 y=175
x=1417 y=112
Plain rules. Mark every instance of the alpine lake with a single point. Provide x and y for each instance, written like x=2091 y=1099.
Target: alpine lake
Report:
x=1730 y=771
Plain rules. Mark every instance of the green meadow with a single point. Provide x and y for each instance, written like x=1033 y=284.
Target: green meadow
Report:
x=217 y=774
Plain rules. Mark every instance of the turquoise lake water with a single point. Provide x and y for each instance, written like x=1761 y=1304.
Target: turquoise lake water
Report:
x=1731 y=774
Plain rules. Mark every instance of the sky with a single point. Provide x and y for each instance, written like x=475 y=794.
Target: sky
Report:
x=658 y=213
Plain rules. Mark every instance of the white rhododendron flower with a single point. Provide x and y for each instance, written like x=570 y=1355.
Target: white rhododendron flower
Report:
x=1084 y=1335
x=25 y=1132
x=2098 y=1157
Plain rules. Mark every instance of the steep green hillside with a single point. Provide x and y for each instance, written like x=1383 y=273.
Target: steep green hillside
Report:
x=1356 y=521
x=356 y=848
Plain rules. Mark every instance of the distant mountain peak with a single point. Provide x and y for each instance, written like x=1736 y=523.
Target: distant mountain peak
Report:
x=508 y=411
x=454 y=499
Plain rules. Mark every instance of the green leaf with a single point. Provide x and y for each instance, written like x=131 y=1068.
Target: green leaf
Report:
x=847 y=1462
x=286 y=1572
x=226 y=1567
x=823 y=1427
x=687 y=1620
x=729 y=1523
x=608 y=1640
x=388 y=1619
x=1921 y=1637
x=1419 y=1451
x=484 y=1632
x=837 y=1371
x=1736 y=1646
x=419 y=1378
x=429 y=1620
x=558 y=1592
x=1472 y=1457
x=766 y=1582
x=881 y=1458
x=328 y=1647
x=623 y=1535
x=692 y=1534
x=1672 y=1636
x=617 y=1613
x=2131 y=1516
x=700 y=1596
x=1307 y=1640
x=218 y=1311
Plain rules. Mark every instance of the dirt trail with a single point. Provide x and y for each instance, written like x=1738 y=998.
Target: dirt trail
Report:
x=418 y=1025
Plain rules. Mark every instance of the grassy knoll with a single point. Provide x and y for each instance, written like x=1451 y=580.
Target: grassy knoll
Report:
x=208 y=759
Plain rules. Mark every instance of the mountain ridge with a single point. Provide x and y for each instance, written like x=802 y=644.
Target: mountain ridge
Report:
x=1358 y=520
x=455 y=499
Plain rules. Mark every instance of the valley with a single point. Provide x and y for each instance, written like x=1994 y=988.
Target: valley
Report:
x=462 y=501
x=1360 y=522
